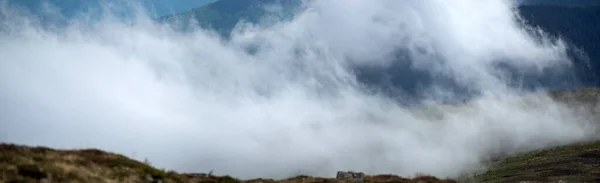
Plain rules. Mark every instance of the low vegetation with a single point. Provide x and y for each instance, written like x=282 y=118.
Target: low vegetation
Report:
x=34 y=164
x=574 y=163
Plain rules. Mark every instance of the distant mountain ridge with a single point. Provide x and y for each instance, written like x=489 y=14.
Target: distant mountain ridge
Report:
x=579 y=26
x=561 y=2
x=223 y=15
x=72 y=7
x=577 y=21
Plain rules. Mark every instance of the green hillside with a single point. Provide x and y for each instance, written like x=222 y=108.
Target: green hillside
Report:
x=574 y=163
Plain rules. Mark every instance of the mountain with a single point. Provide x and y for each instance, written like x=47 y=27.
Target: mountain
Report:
x=223 y=15
x=561 y=2
x=71 y=8
x=578 y=25
x=578 y=22
x=168 y=7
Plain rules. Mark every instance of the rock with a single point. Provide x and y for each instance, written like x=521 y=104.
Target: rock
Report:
x=32 y=171
x=149 y=178
x=356 y=177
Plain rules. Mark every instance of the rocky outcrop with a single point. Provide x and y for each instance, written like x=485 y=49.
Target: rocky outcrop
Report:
x=356 y=177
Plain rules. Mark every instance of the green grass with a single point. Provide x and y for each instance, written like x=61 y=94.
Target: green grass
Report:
x=574 y=163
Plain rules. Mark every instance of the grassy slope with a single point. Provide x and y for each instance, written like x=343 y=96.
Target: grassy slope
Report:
x=574 y=163
x=31 y=164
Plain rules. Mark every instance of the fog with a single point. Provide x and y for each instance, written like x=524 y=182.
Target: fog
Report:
x=193 y=102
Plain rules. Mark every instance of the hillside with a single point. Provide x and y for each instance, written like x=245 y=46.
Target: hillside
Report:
x=32 y=164
x=572 y=163
x=561 y=2
x=223 y=15
x=71 y=8
x=575 y=163
x=578 y=25
x=228 y=99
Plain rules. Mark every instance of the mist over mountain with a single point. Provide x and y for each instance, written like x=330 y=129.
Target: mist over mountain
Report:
x=303 y=87
x=223 y=16
x=576 y=22
x=561 y=2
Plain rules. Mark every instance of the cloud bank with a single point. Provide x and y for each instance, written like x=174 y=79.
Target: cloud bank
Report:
x=191 y=101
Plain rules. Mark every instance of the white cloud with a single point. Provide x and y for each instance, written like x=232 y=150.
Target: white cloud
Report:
x=192 y=102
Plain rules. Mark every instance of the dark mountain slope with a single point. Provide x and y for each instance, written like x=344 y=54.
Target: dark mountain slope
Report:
x=223 y=15
x=561 y=2
x=579 y=25
x=70 y=8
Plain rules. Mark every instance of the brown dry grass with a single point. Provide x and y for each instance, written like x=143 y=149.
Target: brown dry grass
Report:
x=40 y=164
